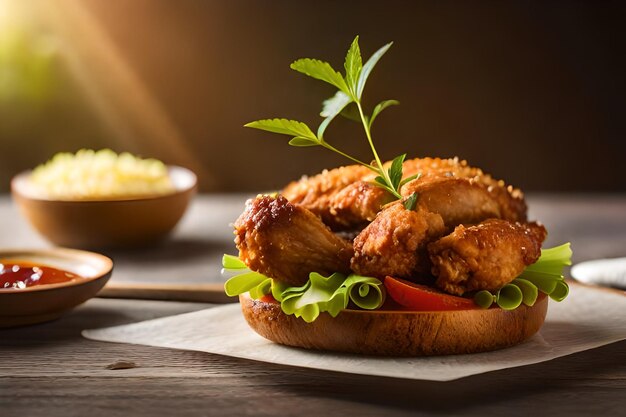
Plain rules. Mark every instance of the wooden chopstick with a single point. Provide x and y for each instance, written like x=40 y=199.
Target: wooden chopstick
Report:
x=203 y=293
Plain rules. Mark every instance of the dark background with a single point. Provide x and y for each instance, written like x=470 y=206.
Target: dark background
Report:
x=532 y=92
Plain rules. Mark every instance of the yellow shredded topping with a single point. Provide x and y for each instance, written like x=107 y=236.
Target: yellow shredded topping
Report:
x=103 y=174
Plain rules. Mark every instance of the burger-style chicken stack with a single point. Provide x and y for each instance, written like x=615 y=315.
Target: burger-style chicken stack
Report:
x=466 y=232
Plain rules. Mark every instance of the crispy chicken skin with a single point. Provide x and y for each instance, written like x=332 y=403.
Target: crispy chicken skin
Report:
x=356 y=205
x=511 y=200
x=486 y=256
x=315 y=193
x=395 y=242
x=286 y=242
x=456 y=200
x=346 y=199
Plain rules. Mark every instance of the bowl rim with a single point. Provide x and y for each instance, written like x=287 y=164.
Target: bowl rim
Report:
x=76 y=255
x=19 y=179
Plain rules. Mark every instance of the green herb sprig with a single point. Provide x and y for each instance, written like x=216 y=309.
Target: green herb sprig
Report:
x=344 y=102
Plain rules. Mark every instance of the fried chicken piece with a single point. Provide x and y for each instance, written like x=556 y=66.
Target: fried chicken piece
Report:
x=315 y=193
x=356 y=205
x=287 y=242
x=511 y=200
x=456 y=200
x=345 y=197
x=395 y=242
x=486 y=256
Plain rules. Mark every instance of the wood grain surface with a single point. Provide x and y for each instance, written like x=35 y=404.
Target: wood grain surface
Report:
x=50 y=370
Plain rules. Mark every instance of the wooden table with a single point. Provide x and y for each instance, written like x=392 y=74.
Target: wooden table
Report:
x=50 y=370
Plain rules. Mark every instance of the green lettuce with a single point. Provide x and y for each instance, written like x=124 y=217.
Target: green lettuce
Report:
x=320 y=294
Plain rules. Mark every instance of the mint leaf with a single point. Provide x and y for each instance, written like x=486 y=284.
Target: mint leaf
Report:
x=330 y=109
x=411 y=202
x=333 y=106
x=380 y=180
x=351 y=112
x=408 y=179
x=320 y=70
x=353 y=65
x=346 y=102
x=368 y=67
x=380 y=107
x=395 y=171
x=283 y=127
x=303 y=142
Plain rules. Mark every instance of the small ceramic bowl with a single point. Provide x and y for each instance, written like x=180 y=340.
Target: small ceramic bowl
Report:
x=115 y=223
x=42 y=303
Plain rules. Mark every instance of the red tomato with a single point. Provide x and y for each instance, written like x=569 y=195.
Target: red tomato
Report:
x=268 y=298
x=423 y=298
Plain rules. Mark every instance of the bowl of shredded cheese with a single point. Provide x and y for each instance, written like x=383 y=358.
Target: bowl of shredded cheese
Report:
x=101 y=199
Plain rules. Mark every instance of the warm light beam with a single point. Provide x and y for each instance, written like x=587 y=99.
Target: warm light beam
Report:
x=117 y=93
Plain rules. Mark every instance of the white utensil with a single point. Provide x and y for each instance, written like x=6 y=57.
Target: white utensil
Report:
x=609 y=272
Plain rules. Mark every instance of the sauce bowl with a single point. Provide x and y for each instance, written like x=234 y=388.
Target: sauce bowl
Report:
x=46 y=302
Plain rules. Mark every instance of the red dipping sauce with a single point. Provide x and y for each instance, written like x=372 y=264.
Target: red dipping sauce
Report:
x=17 y=275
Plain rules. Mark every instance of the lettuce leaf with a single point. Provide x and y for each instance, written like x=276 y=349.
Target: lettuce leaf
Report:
x=320 y=294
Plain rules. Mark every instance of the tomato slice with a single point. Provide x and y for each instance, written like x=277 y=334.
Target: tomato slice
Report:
x=268 y=298
x=418 y=297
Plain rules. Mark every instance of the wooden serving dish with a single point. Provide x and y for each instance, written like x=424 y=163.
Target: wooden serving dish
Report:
x=42 y=303
x=115 y=223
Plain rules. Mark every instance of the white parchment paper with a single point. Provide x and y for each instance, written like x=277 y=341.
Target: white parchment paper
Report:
x=587 y=319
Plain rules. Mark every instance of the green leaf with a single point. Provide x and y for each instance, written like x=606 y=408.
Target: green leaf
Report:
x=366 y=292
x=278 y=288
x=232 y=262
x=353 y=65
x=560 y=291
x=302 y=142
x=351 y=112
x=320 y=295
x=283 y=127
x=368 y=67
x=411 y=201
x=409 y=179
x=380 y=107
x=322 y=71
x=243 y=283
x=546 y=283
x=547 y=272
x=529 y=291
x=331 y=108
x=262 y=289
x=395 y=171
x=484 y=299
x=380 y=180
x=561 y=253
x=331 y=295
x=509 y=297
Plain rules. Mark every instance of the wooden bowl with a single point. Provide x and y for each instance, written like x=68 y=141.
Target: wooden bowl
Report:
x=115 y=223
x=47 y=302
